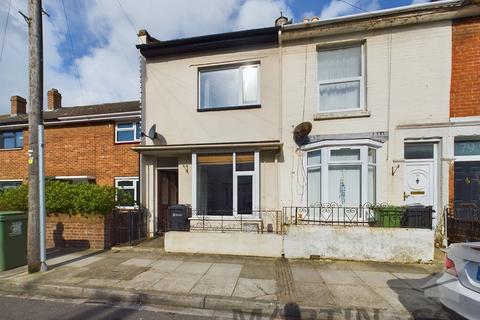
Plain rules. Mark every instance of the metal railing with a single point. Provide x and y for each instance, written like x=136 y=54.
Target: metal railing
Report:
x=462 y=223
x=379 y=215
x=129 y=226
x=262 y=221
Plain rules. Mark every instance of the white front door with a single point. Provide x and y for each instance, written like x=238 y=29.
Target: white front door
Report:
x=419 y=183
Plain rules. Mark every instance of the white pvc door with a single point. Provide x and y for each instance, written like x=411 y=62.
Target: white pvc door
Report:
x=419 y=183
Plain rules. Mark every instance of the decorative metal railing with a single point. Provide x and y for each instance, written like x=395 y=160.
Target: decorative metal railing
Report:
x=378 y=215
x=262 y=221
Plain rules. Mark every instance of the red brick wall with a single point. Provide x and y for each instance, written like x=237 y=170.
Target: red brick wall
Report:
x=465 y=82
x=76 y=150
x=77 y=231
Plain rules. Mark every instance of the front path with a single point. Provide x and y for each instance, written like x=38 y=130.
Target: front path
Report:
x=310 y=288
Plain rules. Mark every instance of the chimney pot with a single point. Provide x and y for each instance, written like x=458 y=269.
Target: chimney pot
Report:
x=18 y=105
x=305 y=20
x=282 y=20
x=315 y=18
x=54 y=100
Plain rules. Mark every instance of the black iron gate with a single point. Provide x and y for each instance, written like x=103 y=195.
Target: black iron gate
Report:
x=129 y=226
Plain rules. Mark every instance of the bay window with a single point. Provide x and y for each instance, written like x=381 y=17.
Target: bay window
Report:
x=226 y=184
x=344 y=175
x=229 y=87
x=340 y=79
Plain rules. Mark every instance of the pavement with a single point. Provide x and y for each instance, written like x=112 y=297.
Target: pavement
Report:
x=238 y=284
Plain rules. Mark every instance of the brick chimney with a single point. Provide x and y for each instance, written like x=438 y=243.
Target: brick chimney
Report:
x=54 y=99
x=18 y=105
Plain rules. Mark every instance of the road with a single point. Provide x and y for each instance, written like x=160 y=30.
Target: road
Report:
x=20 y=308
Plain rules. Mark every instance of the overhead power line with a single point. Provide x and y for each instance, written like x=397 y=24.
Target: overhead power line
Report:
x=73 y=51
x=354 y=6
x=5 y=30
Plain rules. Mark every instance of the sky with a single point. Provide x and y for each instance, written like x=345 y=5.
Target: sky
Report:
x=89 y=45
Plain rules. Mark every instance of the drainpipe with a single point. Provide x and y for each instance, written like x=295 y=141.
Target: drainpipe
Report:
x=277 y=155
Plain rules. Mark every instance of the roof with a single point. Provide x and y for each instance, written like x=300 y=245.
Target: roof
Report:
x=104 y=110
x=220 y=41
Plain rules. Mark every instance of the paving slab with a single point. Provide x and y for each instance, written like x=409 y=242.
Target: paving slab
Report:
x=192 y=268
x=138 y=262
x=357 y=296
x=165 y=265
x=379 y=279
x=342 y=277
x=177 y=283
x=83 y=262
x=415 y=280
x=117 y=272
x=220 y=279
x=256 y=288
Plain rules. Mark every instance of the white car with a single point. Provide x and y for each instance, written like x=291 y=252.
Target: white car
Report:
x=458 y=289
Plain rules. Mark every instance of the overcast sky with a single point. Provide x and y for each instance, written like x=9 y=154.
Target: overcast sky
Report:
x=100 y=62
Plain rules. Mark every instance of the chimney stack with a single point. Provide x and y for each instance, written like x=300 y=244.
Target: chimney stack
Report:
x=54 y=100
x=18 y=105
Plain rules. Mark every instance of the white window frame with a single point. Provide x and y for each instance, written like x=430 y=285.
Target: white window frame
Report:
x=134 y=128
x=255 y=174
x=362 y=77
x=135 y=181
x=11 y=180
x=326 y=147
x=240 y=104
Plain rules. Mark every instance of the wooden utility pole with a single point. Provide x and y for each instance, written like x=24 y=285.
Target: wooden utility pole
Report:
x=35 y=117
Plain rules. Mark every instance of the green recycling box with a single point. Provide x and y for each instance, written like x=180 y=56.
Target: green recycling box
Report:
x=13 y=239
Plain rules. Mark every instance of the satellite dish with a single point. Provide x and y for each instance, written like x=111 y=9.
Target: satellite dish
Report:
x=152 y=133
x=301 y=132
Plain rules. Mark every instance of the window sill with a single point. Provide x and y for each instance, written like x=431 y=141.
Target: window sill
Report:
x=341 y=115
x=254 y=106
x=11 y=149
x=127 y=142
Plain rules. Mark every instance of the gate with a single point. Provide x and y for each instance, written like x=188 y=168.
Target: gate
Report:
x=463 y=224
x=129 y=226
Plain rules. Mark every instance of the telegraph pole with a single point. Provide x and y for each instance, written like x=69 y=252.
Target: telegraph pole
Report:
x=35 y=118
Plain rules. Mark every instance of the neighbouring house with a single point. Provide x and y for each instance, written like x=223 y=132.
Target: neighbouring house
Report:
x=90 y=143
x=319 y=120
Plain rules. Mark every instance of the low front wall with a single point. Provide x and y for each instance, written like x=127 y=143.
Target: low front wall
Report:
x=235 y=243
x=328 y=242
x=360 y=243
x=79 y=231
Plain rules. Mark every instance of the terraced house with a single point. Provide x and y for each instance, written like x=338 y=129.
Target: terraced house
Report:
x=89 y=143
x=321 y=122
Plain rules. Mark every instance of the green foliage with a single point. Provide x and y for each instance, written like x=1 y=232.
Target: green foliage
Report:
x=15 y=199
x=64 y=197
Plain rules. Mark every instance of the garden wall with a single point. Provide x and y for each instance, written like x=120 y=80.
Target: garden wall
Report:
x=326 y=242
x=79 y=231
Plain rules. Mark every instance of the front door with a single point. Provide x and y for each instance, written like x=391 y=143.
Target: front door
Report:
x=467 y=184
x=419 y=186
x=167 y=188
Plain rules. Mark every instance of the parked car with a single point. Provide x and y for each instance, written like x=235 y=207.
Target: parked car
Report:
x=459 y=285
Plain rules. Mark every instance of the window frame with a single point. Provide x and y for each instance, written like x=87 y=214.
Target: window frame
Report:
x=255 y=174
x=14 y=133
x=20 y=181
x=134 y=129
x=240 y=105
x=325 y=148
x=135 y=188
x=361 y=78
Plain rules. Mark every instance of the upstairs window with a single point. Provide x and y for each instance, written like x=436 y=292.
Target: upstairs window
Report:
x=11 y=139
x=340 y=79
x=229 y=87
x=128 y=132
